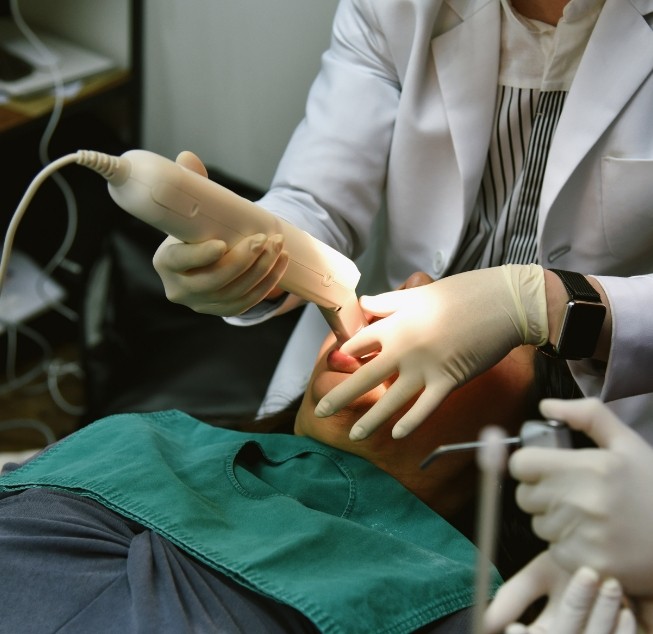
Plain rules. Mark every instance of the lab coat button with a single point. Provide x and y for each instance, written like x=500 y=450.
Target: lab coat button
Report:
x=439 y=262
x=558 y=253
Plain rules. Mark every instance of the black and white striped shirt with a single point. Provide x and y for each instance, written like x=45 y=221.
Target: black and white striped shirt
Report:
x=537 y=67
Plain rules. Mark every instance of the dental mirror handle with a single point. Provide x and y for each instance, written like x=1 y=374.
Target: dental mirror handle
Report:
x=491 y=458
x=533 y=433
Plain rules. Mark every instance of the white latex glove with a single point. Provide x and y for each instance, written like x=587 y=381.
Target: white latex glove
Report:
x=576 y=605
x=594 y=506
x=209 y=279
x=436 y=338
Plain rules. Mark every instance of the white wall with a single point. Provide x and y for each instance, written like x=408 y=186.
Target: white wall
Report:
x=228 y=79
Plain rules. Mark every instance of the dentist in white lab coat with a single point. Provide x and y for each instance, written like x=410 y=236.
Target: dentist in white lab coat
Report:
x=422 y=109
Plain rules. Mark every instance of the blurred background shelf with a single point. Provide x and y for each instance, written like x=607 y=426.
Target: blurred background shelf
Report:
x=114 y=30
x=103 y=112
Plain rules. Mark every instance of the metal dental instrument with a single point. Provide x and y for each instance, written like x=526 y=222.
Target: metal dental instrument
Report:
x=533 y=433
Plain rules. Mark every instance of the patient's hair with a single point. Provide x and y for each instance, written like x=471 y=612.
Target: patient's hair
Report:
x=517 y=543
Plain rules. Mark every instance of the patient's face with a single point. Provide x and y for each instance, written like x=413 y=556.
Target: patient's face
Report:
x=501 y=396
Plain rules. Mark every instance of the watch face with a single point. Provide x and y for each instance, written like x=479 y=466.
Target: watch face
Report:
x=581 y=329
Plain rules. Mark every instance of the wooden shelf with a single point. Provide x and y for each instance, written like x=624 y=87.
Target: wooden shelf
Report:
x=16 y=113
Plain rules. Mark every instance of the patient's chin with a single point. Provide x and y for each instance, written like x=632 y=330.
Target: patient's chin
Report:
x=324 y=382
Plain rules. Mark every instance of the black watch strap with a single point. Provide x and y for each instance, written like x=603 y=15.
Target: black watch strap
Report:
x=582 y=321
x=577 y=286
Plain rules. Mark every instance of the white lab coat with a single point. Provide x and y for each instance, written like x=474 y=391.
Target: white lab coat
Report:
x=399 y=117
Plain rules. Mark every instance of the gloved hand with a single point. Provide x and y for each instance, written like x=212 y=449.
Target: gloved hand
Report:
x=576 y=605
x=437 y=337
x=209 y=279
x=593 y=505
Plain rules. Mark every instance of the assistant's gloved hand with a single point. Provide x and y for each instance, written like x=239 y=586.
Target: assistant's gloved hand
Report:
x=576 y=605
x=436 y=338
x=594 y=506
x=209 y=279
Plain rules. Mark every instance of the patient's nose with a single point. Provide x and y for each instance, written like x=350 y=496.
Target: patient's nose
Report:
x=339 y=362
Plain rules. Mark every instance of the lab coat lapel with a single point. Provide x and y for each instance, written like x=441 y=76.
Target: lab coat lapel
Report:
x=618 y=59
x=467 y=65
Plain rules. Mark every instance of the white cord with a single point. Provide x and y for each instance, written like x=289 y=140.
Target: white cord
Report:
x=53 y=369
x=17 y=382
x=50 y=61
x=45 y=173
x=14 y=382
x=56 y=370
x=107 y=166
x=103 y=164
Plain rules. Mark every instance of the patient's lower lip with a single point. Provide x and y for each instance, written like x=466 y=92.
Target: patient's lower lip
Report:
x=339 y=362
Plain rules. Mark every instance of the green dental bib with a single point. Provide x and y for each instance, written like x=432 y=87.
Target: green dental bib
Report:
x=308 y=525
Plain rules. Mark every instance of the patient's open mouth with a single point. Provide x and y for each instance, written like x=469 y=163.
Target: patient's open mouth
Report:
x=339 y=362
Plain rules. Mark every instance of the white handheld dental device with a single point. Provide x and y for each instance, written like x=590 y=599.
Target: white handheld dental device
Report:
x=192 y=208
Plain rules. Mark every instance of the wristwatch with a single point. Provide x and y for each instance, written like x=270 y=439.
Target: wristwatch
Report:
x=581 y=323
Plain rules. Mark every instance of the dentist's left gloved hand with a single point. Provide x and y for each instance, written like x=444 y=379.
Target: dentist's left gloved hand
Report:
x=578 y=604
x=594 y=506
x=436 y=338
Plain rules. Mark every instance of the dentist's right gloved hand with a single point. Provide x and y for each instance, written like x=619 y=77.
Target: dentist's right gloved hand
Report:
x=436 y=338
x=594 y=506
x=578 y=604
x=209 y=279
